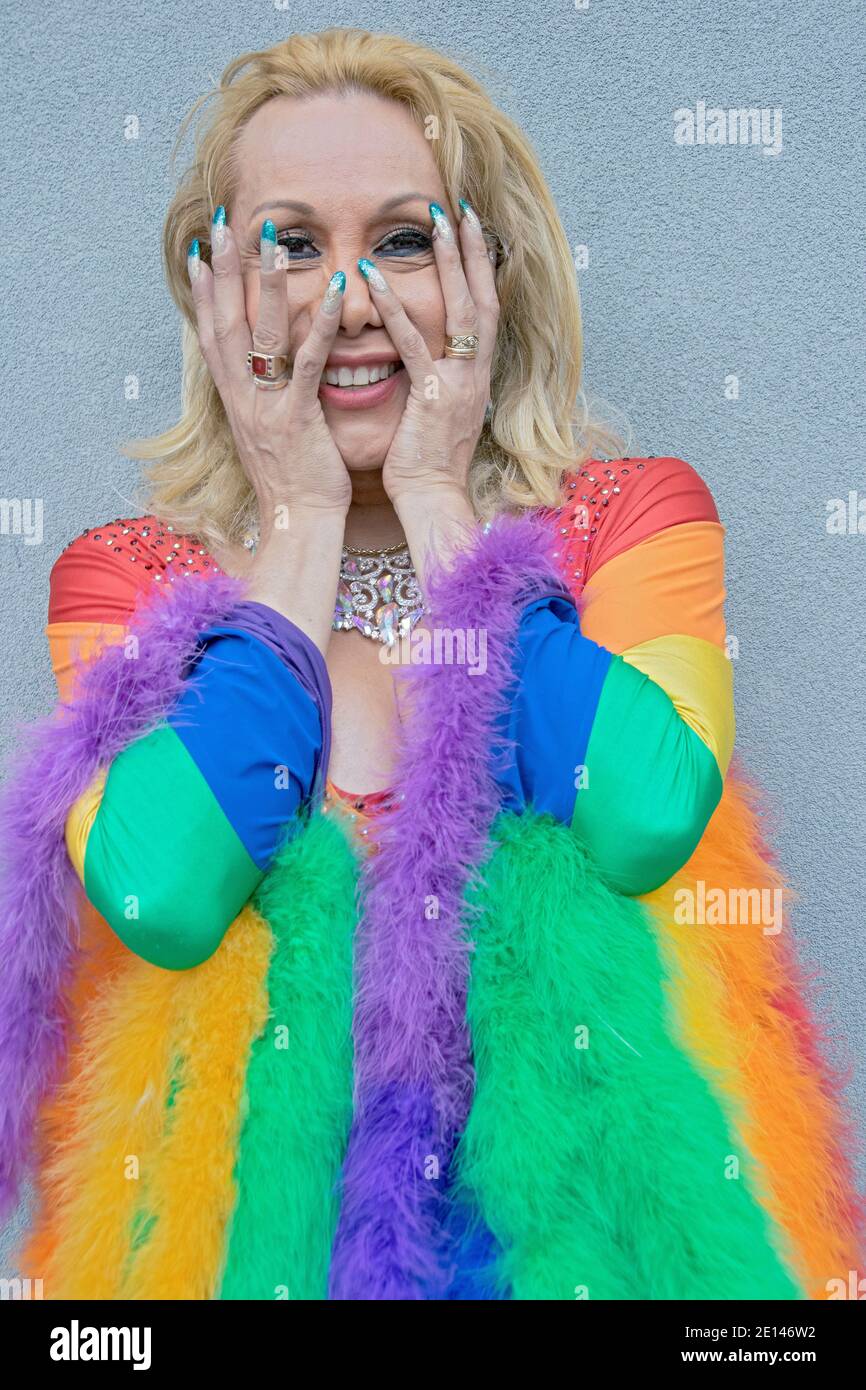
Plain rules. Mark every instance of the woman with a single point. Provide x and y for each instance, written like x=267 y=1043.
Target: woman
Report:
x=467 y=1030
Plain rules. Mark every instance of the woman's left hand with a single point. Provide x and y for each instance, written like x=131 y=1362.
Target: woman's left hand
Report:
x=434 y=443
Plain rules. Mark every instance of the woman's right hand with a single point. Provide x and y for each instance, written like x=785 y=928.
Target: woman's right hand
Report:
x=282 y=438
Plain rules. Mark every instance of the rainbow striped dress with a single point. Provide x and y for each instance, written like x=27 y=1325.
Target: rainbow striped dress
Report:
x=533 y=1030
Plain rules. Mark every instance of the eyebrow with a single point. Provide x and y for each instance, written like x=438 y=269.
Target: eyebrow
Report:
x=307 y=209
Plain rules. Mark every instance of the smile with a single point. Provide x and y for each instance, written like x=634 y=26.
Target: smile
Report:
x=361 y=376
x=358 y=388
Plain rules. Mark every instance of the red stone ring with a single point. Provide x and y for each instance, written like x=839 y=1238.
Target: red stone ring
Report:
x=269 y=370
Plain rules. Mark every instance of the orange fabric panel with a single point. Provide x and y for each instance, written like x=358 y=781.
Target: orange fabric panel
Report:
x=655 y=493
x=673 y=582
x=743 y=1008
x=69 y=643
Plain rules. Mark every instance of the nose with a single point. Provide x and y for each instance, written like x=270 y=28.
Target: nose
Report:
x=359 y=311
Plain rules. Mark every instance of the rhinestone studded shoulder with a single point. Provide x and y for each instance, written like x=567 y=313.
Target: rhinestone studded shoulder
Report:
x=159 y=551
x=588 y=494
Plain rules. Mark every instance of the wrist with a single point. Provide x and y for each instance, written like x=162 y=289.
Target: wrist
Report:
x=438 y=523
x=296 y=569
x=426 y=501
x=282 y=518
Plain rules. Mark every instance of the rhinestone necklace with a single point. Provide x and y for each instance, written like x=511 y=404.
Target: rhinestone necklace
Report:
x=377 y=592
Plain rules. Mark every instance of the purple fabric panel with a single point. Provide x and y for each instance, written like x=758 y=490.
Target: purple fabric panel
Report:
x=299 y=653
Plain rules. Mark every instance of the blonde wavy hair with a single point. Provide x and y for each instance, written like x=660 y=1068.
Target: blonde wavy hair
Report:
x=540 y=424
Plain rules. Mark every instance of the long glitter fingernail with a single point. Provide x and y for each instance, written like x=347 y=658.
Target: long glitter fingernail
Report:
x=268 y=246
x=440 y=223
x=469 y=213
x=372 y=274
x=334 y=293
x=218 y=231
x=193 y=260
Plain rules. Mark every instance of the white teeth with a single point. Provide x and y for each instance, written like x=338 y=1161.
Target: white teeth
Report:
x=361 y=376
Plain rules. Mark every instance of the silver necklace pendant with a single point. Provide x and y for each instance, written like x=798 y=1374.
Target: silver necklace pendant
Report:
x=378 y=595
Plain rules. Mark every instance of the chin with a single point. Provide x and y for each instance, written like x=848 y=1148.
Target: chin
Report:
x=365 y=449
x=363 y=431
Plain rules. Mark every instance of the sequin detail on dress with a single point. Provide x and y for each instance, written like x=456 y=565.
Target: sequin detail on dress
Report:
x=589 y=492
x=147 y=542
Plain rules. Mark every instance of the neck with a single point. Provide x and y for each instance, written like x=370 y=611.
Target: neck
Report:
x=371 y=521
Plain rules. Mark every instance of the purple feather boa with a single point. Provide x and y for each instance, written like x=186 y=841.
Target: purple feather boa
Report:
x=117 y=700
x=413 y=1067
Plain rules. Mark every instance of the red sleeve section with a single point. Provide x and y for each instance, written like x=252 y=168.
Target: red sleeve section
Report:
x=101 y=575
x=611 y=506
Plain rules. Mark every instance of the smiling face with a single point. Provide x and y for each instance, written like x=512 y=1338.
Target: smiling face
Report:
x=343 y=177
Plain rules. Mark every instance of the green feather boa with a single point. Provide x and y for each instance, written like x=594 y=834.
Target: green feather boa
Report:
x=595 y=1151
x=298 y=1101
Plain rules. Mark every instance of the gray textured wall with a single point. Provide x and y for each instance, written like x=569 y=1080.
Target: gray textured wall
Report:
x=704 y=262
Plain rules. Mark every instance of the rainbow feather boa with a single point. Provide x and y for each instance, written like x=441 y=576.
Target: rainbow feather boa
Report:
x=507 y=1081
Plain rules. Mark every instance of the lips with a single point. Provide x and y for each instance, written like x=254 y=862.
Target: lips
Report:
x=359 y=386
x=367 y=374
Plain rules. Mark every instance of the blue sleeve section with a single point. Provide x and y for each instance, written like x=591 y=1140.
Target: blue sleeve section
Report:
x=543 y=736
x=254 y=716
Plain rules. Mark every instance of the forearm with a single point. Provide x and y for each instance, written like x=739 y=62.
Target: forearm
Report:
x=601 y=747
x=296 y=569
x=650 y=784
x=172 y=843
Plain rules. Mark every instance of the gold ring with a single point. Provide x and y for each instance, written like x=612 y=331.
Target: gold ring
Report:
x=266 y=366
x=461 y=345
x=265 y=384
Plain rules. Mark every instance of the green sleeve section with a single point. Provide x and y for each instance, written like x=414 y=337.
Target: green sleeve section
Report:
x=163 y=865
x=651 y=784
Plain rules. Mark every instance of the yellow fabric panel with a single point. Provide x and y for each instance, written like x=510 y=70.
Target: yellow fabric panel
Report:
x=699 y=679
x=71 y=643
x=672 y=582
x=79 y=822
